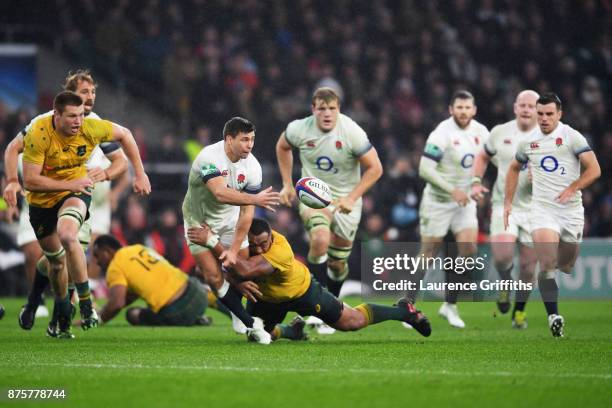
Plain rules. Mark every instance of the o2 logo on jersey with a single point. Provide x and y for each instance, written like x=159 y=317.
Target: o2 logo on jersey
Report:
x=550 y=164
x=324 y=163
x=467 y=161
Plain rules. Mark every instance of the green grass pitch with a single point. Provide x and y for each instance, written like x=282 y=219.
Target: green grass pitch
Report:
x=486 y=364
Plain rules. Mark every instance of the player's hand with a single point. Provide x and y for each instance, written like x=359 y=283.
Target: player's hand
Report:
x=287 y=195
x=507 y=212
x=199 y=235
x=249 y=289
x=460 y=197
x=96 y=174
x=142 y=185
x=478 y=191
x=228 y=258
x=10 y=193
x=343 y=204
x=83 y=186
x=267 y=199
x=566 y=195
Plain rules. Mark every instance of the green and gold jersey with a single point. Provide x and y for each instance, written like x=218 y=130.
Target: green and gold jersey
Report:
x=147 y=274
x=290 y=278
x=61 y=157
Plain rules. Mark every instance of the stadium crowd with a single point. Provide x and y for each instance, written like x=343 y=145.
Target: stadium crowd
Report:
x=395 y=64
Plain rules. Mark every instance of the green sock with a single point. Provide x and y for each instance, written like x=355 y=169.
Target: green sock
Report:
x=287 y=332
x=377 y=313
x=84 y=294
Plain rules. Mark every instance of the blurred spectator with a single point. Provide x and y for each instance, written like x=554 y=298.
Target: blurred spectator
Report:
x=168 y=239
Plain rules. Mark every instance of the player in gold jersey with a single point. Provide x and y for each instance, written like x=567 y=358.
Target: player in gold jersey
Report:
x=136 y=271
x=280 y=284
x=59 y=192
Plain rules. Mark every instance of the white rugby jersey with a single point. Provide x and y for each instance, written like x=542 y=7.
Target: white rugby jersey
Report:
x=501 y=147
x=554 y=163
x=454 y=149
x=200 y=205
x=333 y=156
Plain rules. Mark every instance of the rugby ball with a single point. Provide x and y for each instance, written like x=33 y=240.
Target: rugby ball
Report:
x=312 y=192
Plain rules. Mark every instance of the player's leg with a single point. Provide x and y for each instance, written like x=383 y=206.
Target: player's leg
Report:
x=143 y=316
x=211 y=273
x=502 y=248
x=40 y=280
x=337 y=263
x=58 y=276
x=71 y=216
x=344 y=229
x=317 y=224
x=527 y=267
x=464 y=226
x=567 y=255
x=546 y=242
x=27 y=241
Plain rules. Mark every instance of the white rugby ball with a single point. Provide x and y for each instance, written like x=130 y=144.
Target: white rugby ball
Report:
x=313 y=192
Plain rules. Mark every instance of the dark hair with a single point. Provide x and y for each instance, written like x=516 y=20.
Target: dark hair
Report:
x=550 y=97
x=107 y=241
x=237 y=125
x=64 y=99
x=326 y=95
x=259 y=226
x=73 y=79
x=461 y=94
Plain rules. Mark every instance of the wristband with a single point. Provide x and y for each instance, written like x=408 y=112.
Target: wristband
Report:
x=212 y=241
x=476 y=180
x=12 y=180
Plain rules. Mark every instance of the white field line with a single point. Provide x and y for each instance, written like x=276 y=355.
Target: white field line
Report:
x=312 y=370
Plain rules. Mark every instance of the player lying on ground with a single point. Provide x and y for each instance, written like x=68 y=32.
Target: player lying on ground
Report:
x=136 y=271
x=284 y=285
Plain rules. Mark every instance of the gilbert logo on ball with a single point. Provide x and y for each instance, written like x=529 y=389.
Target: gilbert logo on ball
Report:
x=313 y=192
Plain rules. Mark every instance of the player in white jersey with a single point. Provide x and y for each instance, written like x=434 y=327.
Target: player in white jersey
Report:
x=555 y=153
x=106 y=163
x=336 y=150
x=224 y=186
x=446 y=165
x=500 y=149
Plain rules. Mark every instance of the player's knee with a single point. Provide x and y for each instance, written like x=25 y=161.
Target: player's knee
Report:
x=319 y=242
x=67 y=237
x=567 y=268
x=132 y=315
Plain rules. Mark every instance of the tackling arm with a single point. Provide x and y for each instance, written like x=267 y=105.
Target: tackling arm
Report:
x=117 y=296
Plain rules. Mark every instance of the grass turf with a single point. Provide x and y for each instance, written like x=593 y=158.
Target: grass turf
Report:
x=487 y=363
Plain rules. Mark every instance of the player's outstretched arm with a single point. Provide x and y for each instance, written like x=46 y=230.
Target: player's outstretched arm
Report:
x=11 y=159
x=510 y=188
x=590 y=172
x=141 y=184
x=481 y=162
x=266 y=198
x=284 y=156
x=117 y=295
